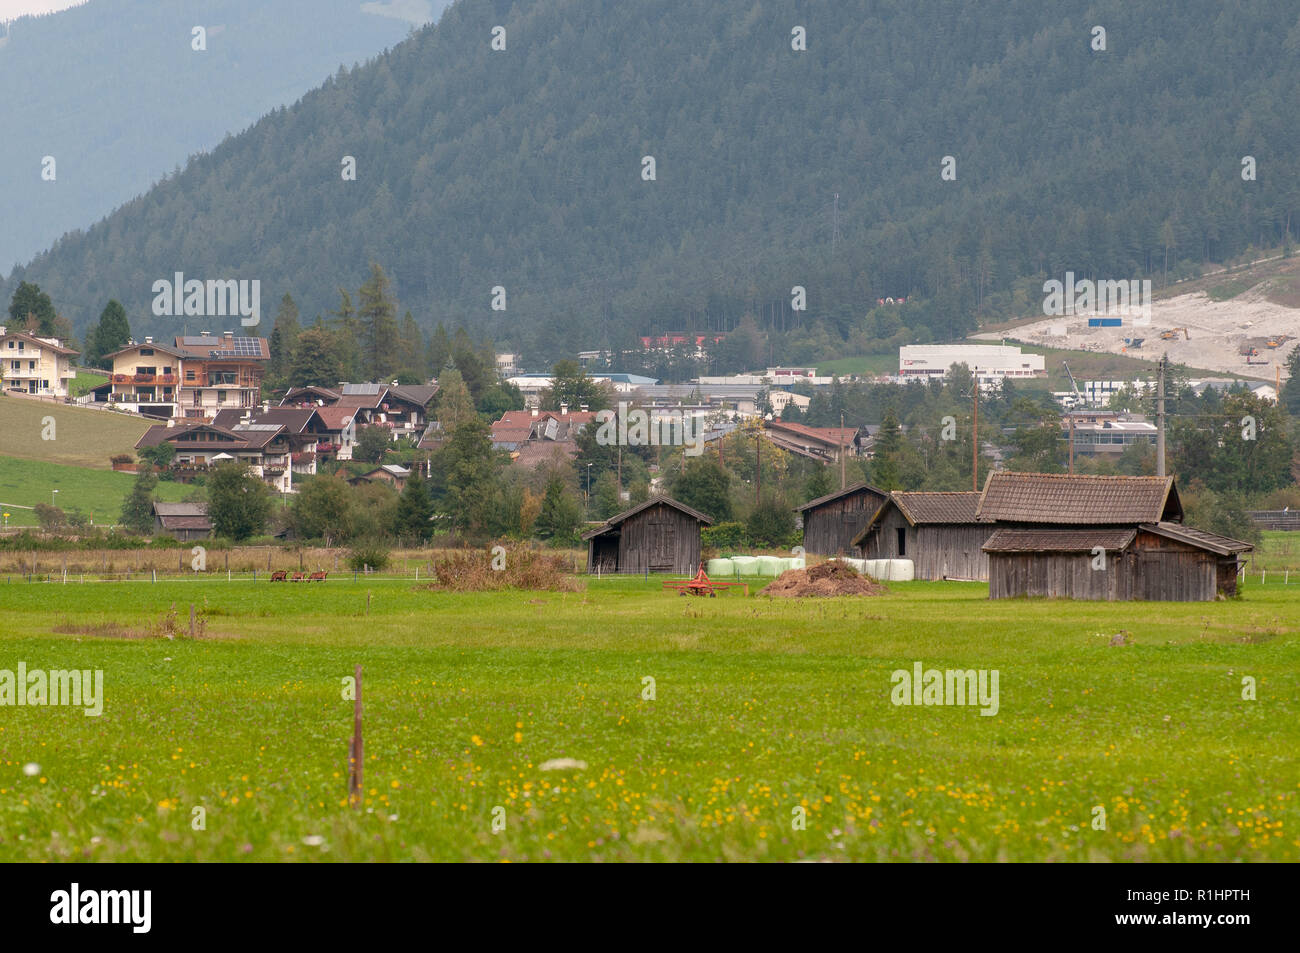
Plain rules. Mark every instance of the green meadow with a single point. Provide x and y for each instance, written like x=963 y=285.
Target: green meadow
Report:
x=97 y=493
x=771 y=734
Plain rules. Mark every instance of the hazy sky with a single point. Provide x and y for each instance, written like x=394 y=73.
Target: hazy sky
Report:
x=13 y=9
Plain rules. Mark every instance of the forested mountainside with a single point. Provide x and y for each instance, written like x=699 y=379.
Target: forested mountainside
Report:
x=117 y=94
x=1115 y=153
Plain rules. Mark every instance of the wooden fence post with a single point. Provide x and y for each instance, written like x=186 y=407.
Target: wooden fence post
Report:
x=356 y=757
x=191 y=620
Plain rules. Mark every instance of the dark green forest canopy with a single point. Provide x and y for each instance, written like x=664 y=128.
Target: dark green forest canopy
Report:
x=523 y=168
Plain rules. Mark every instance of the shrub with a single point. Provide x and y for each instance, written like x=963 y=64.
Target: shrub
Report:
x=479 y=570
x=370 y=553
x=730 y=535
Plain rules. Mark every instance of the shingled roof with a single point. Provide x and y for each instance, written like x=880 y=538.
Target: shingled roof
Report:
x=1088 y=500
x=931 y=507
x=1038 y=540
x=848 y=490
x=614 y=521
x=923 y=507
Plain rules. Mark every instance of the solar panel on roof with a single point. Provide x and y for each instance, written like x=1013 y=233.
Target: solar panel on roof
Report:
x=239 y=347
x=360 y=389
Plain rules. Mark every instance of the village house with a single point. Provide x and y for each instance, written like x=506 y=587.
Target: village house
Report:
x=144 y=379
x=266 y=449
x=303 y=427
x=532 y=437
x=659 y=535
x=220 y=373
x=940 y=532
x=390 y=473
x=35 y=366
x=1100 y=537
x=824 y=444
x=832 y=522
x=402 y=408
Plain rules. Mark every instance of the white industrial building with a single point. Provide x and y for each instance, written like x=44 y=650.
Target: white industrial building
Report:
x=989 y=362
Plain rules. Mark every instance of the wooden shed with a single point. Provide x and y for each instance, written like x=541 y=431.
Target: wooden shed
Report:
x=1100 y=537
x=659 y=535
x=940 y=532
x=184 y=521
x=831 y=522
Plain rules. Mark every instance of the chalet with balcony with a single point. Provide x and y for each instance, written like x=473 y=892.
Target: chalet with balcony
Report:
x=266 y=449
x=402 y=408
x=35 y=366
x=304 y=428
x=145 y=379
x=220 y=373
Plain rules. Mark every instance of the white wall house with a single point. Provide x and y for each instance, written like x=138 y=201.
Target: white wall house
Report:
x=990 y=362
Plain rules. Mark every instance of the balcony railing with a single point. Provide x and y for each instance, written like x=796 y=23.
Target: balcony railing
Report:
x=144 y=379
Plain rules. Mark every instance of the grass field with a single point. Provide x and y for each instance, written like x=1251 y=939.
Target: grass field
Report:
x=763 y=710
x=85 y=382
x=98 y=493
x=81 y=437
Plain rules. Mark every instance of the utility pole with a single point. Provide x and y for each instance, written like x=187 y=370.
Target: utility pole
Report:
x=1071 y=419
x=758 y=464
x=1160 y=417
x=975 y=437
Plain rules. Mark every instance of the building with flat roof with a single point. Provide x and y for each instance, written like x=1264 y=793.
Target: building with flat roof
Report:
x=989 y=362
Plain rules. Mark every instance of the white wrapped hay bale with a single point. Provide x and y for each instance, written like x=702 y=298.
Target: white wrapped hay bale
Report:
x=745 y=565
x=718 y=568
x=890 y=570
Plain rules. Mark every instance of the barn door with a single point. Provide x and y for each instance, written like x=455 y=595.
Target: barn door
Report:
x=663 y=546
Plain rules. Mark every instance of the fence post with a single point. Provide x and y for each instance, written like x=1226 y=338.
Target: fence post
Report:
x=191 y=620
x=356 y=756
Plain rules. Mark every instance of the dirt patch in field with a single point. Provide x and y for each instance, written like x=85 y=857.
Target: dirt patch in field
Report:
x=99 y=630
x=823 y=580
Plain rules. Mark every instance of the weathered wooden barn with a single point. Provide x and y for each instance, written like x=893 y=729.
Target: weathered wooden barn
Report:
x=939 y=532
x=659 y=535
x=1100 y=537
x=831 y=522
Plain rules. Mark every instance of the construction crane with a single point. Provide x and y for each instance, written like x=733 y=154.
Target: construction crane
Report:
x=1073 y=384
x=1173 y=333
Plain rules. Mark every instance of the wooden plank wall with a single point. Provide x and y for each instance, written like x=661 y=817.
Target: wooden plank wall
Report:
x=660 y=538
x=1154 y=573
x=828 y=530
x=937 y=550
